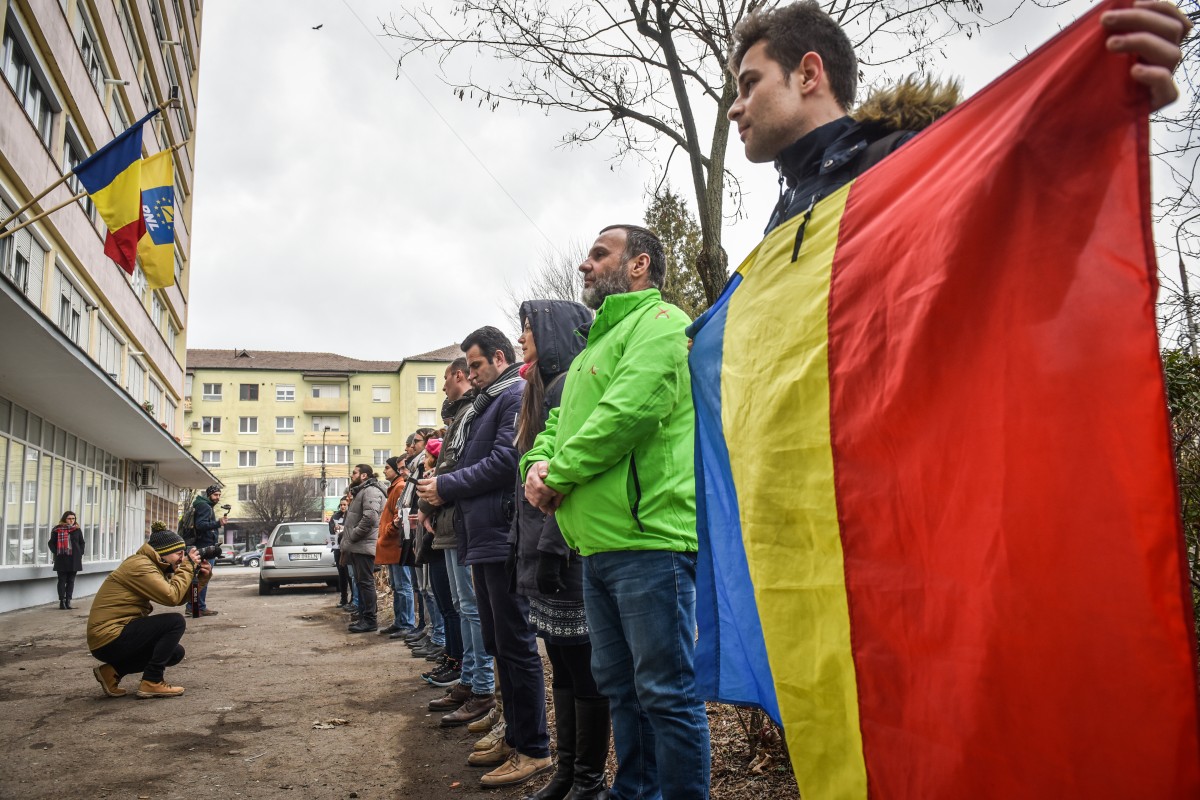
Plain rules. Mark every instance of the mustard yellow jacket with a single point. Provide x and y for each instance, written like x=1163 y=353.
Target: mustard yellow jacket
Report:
x=128 y=591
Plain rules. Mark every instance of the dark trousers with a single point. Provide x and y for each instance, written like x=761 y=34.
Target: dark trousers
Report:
x=66 y=586
x=439 y=581
x=343 y=577
x=572 y=669
x=509 y=638
x=364 y=576
x=147 y=645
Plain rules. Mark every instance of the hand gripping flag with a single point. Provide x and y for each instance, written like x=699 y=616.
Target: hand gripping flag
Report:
x=112 y=178
x=156 y=248
x=939 y=534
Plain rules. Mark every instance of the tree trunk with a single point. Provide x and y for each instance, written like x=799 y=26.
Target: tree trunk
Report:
x=712 y=264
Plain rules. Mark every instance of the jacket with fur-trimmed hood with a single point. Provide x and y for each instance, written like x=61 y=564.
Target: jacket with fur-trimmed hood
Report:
x=827 y=158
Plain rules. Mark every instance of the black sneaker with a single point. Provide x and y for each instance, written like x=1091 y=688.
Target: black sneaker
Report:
x=436 y=668
x=447 y=677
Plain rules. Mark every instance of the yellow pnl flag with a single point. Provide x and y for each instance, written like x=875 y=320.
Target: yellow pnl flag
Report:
x=156 y=248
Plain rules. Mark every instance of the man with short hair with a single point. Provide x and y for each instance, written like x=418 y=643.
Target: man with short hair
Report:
x=121 y=632
x=208 y=533
x=616 y=462
x=483 y=486
x=358 y=541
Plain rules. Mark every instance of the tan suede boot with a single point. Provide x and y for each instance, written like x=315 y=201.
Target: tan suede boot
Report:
x=160 y=689
x=109 y=680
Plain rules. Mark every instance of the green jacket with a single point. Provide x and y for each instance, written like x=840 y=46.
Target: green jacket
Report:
x=621 y=444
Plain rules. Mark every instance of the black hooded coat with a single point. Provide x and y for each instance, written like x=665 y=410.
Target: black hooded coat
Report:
x=556 y=328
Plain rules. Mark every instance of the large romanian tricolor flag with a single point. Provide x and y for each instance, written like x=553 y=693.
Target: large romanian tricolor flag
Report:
x=940 y=540
x=112 y=178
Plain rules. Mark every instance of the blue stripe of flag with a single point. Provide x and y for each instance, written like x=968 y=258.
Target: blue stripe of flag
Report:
x=103 y=166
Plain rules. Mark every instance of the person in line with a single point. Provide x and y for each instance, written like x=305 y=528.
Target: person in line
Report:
x=483 y=487
x=66 y=545
x=335 y=544
x=616 y=461
x=121 y=632
x=548 y=572
x=358 y=541
x=208 y=533
x=390 y=550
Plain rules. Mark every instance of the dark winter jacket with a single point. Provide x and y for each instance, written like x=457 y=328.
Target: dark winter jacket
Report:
x=206 y=523
x=482 y=483
x=444 y=535
x=361 y=528
x=67 y=562
x=555 y=325
x=826 y=159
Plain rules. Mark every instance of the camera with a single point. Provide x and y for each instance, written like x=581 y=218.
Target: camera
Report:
x=210 y=552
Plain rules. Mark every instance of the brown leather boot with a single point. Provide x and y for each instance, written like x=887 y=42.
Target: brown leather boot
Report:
x=476 y=707
x=160 y=689
x=109 y=680
x=452 y=699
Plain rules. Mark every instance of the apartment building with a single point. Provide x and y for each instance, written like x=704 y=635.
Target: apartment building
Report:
x=91 y=371
x=254 y=416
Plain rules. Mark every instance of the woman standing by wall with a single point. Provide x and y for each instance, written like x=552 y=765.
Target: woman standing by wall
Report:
x=66 y=544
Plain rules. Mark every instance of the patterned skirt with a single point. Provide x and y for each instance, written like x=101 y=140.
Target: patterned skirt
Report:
x=559 y=622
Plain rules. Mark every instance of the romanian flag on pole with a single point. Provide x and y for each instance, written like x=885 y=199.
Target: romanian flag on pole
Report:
x=112 y=178
x=939 y=533
x=156 y=248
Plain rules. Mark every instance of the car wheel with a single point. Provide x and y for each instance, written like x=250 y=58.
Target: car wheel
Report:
x=264 y=588
x=252 y=562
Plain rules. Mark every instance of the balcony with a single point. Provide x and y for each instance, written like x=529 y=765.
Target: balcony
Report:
x=187 y=404
x=332 y=437
x=326 y=405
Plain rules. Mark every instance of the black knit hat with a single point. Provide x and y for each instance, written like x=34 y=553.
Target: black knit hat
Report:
x=165 y=542
x=394 y=463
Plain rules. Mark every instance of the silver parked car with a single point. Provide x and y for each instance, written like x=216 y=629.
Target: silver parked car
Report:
x=297 y=552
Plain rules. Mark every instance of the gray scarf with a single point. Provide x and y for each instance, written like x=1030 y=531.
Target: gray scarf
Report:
x=481 y=402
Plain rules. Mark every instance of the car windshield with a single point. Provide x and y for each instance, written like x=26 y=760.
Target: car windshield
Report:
x=301 y=535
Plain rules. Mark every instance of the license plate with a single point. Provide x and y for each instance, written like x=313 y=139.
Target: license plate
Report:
x=304 y=556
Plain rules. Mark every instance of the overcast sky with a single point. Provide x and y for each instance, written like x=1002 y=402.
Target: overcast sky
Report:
x=334 y=210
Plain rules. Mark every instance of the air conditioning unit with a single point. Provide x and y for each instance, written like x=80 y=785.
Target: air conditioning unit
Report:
x=195 y=426
x=147 y=476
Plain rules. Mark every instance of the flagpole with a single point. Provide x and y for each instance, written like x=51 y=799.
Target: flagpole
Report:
x=46 y=213
x=163 y=106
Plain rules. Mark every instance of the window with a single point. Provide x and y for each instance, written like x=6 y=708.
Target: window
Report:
x=327 y=390
x=210 y=458
x=31 y=91
x=285 y=424
x=381 y=394
x=210 y=424
x=247 y=424
x=285 y=458
x=156 y=20
x=212 y=391
x=247 y=492
x=71 y=308
x=135 y=380
x=73 y=153
x=381 y=424
x=125 y=19
x=285 y=393
x=118 y=118
x=334 y=454
x=334 y=487
x=426 y=383
x=108 y=352
x=381 y=457
x=155 y=399
x=321 y=423
x=169 y=418
x=248 y=391
x=138 y=281
x=156 y=312
x=172 y=336
x=178 y=260
x=247 y=458
x=89 y=49
x=427 y=417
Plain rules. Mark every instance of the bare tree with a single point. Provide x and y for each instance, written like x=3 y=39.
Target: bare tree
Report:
x=642 y=72
x=555 y=277
x=284 y=500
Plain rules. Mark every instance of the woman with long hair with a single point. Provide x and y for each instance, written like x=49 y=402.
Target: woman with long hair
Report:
x=548 y=571
x=66 y=544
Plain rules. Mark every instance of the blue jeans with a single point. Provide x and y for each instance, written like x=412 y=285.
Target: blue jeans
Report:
x=437 y=626
x=402 y=596
x=478 y=670
x=353 y=581
x=641 y=613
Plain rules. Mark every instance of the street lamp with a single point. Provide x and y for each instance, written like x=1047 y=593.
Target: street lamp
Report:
x=323 y=432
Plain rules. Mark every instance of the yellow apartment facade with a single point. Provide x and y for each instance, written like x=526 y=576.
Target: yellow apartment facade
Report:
x=91 y=360
x=254 y=416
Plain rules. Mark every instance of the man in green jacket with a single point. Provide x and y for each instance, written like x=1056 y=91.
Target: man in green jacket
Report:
x=616 y=464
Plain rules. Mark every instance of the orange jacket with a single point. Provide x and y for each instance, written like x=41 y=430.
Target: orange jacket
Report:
x=387 y=548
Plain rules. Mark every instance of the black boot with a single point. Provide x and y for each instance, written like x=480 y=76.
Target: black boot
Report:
x=566 y=737
x=591 y=749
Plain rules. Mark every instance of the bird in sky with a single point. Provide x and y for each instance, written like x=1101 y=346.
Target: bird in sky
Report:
x=318 y=27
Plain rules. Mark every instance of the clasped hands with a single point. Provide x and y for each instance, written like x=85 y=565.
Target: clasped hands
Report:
x=538 y=494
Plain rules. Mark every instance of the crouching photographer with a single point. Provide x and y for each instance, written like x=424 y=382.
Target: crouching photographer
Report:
x=121 y=632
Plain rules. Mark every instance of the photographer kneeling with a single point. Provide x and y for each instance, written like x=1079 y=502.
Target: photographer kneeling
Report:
x=121 y=632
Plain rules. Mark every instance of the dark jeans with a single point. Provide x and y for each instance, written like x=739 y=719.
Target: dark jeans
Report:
x=572 y=665
x=343 y=577
x=508 y=636
x=147 y=645
x=66 y=585
x=439 y=581
x=364 y=576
